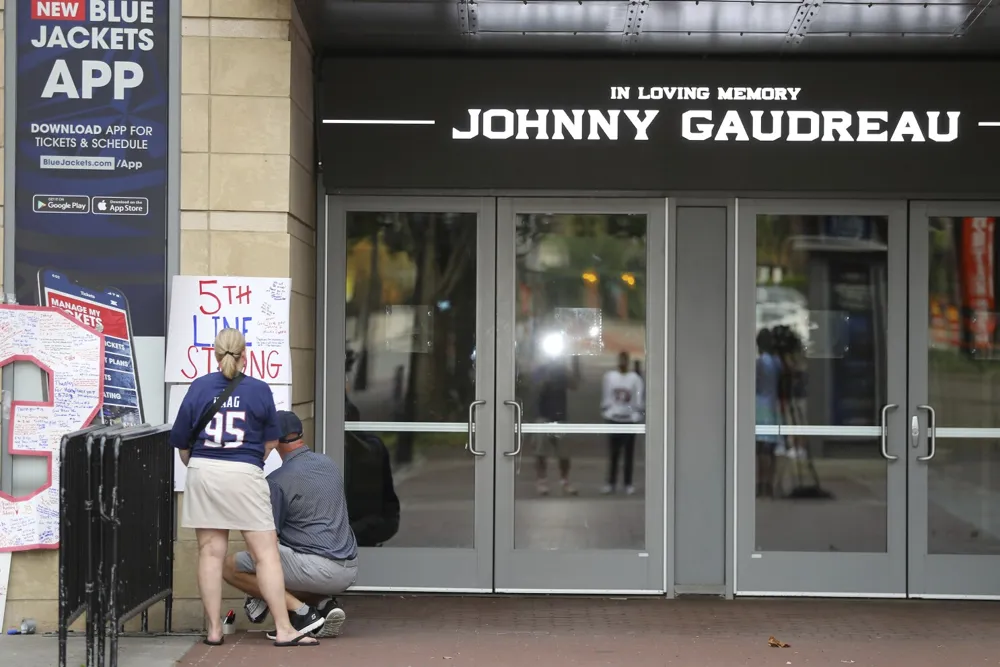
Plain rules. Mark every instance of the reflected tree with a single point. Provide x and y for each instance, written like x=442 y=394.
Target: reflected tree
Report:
x=425 y=261
x=576 y=261
x=607 y=247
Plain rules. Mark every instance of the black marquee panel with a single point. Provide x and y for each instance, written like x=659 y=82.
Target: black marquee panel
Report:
x=737 y=126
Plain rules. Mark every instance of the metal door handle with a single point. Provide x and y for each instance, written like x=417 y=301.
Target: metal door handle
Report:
x=932 y=426
x=885 y=449
x=471 y=444
x=517 y=428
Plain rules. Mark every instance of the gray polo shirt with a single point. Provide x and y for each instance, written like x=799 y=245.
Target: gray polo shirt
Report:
x=310 y=510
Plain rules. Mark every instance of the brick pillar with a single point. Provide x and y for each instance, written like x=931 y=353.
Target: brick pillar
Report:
x=248 y=195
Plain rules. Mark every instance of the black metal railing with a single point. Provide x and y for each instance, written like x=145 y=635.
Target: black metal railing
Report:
x=116 y=533
x=77 y=533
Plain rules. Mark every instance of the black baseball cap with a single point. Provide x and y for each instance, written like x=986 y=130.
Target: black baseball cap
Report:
x=289 y=425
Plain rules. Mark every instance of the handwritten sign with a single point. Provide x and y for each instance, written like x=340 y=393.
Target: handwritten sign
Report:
x=202 y=306
x=282 y=400
x=72 y=357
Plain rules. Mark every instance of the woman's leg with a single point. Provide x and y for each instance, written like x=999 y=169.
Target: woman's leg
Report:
x=212 y=548
x=263 y=546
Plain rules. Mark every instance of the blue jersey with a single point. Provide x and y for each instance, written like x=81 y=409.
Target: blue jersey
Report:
x=246 y=421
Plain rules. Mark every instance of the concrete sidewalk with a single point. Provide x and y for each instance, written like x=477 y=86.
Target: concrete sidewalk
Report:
x=43 y=651
x=552 y=632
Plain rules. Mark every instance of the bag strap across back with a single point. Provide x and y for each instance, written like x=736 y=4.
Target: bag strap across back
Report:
x=213 y=409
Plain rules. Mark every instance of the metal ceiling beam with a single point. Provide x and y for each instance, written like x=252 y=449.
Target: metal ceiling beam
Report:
x=801 y=22
x=633 y=22
x=973 y=16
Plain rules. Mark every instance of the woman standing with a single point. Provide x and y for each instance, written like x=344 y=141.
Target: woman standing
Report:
x=225 y=427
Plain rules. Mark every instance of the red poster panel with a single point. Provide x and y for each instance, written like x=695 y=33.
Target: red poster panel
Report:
x=977 y=268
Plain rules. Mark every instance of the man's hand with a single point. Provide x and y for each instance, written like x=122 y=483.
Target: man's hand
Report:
x=269 y=447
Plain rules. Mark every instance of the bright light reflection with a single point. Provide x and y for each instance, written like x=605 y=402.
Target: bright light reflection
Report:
x=553 y=344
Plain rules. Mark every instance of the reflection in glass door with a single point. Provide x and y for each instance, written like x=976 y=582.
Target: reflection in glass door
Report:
x=578 y=486
x=821 y=489
x=954 y=456
x=418 y=429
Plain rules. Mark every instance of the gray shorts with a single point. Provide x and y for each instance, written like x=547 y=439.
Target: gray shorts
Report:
x=548 y=444
x=307 y=573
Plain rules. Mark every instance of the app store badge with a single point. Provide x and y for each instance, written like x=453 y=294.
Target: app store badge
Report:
x=120 y=205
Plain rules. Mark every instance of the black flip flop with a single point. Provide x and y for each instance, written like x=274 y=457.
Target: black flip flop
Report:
x=206 y=642
x=297 y=642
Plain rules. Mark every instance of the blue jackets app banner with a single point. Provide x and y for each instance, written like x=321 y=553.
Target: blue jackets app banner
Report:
x=91 y=148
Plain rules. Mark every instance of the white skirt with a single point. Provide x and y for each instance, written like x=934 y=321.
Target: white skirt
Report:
x=226 y=495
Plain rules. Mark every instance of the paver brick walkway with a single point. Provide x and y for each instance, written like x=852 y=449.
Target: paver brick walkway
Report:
x=396 y=631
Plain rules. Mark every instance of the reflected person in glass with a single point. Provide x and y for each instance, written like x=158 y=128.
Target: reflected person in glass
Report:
x=372 y=503
x=769 y=446
x=371 y=494
x=621 y=403
x=554 y=380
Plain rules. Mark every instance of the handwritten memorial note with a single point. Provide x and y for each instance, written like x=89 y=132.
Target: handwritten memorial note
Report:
x=73 y=358
x=201 y=306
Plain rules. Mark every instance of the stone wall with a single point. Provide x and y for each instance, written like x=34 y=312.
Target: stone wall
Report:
x=248 y=207
x=2 y=101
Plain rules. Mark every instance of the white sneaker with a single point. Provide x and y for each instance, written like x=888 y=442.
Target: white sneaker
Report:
x=629 y=490
x=542 y=488
x=607 y=489
x=335 y=618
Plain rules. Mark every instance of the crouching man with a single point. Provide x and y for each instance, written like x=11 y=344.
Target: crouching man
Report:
x=319 y=554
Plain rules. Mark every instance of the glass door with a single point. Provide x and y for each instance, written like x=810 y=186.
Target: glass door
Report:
x=579 y=390
x=953 y=441
x=417 y=443
x=820 y=489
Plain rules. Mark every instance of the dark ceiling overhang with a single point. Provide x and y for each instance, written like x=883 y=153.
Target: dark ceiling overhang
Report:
x=656 y=27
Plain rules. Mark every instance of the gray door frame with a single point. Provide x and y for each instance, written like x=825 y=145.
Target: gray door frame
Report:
x=415 y=569
x=936 y=575
x=819 y=574
x=619 y=571
x=673 y=508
